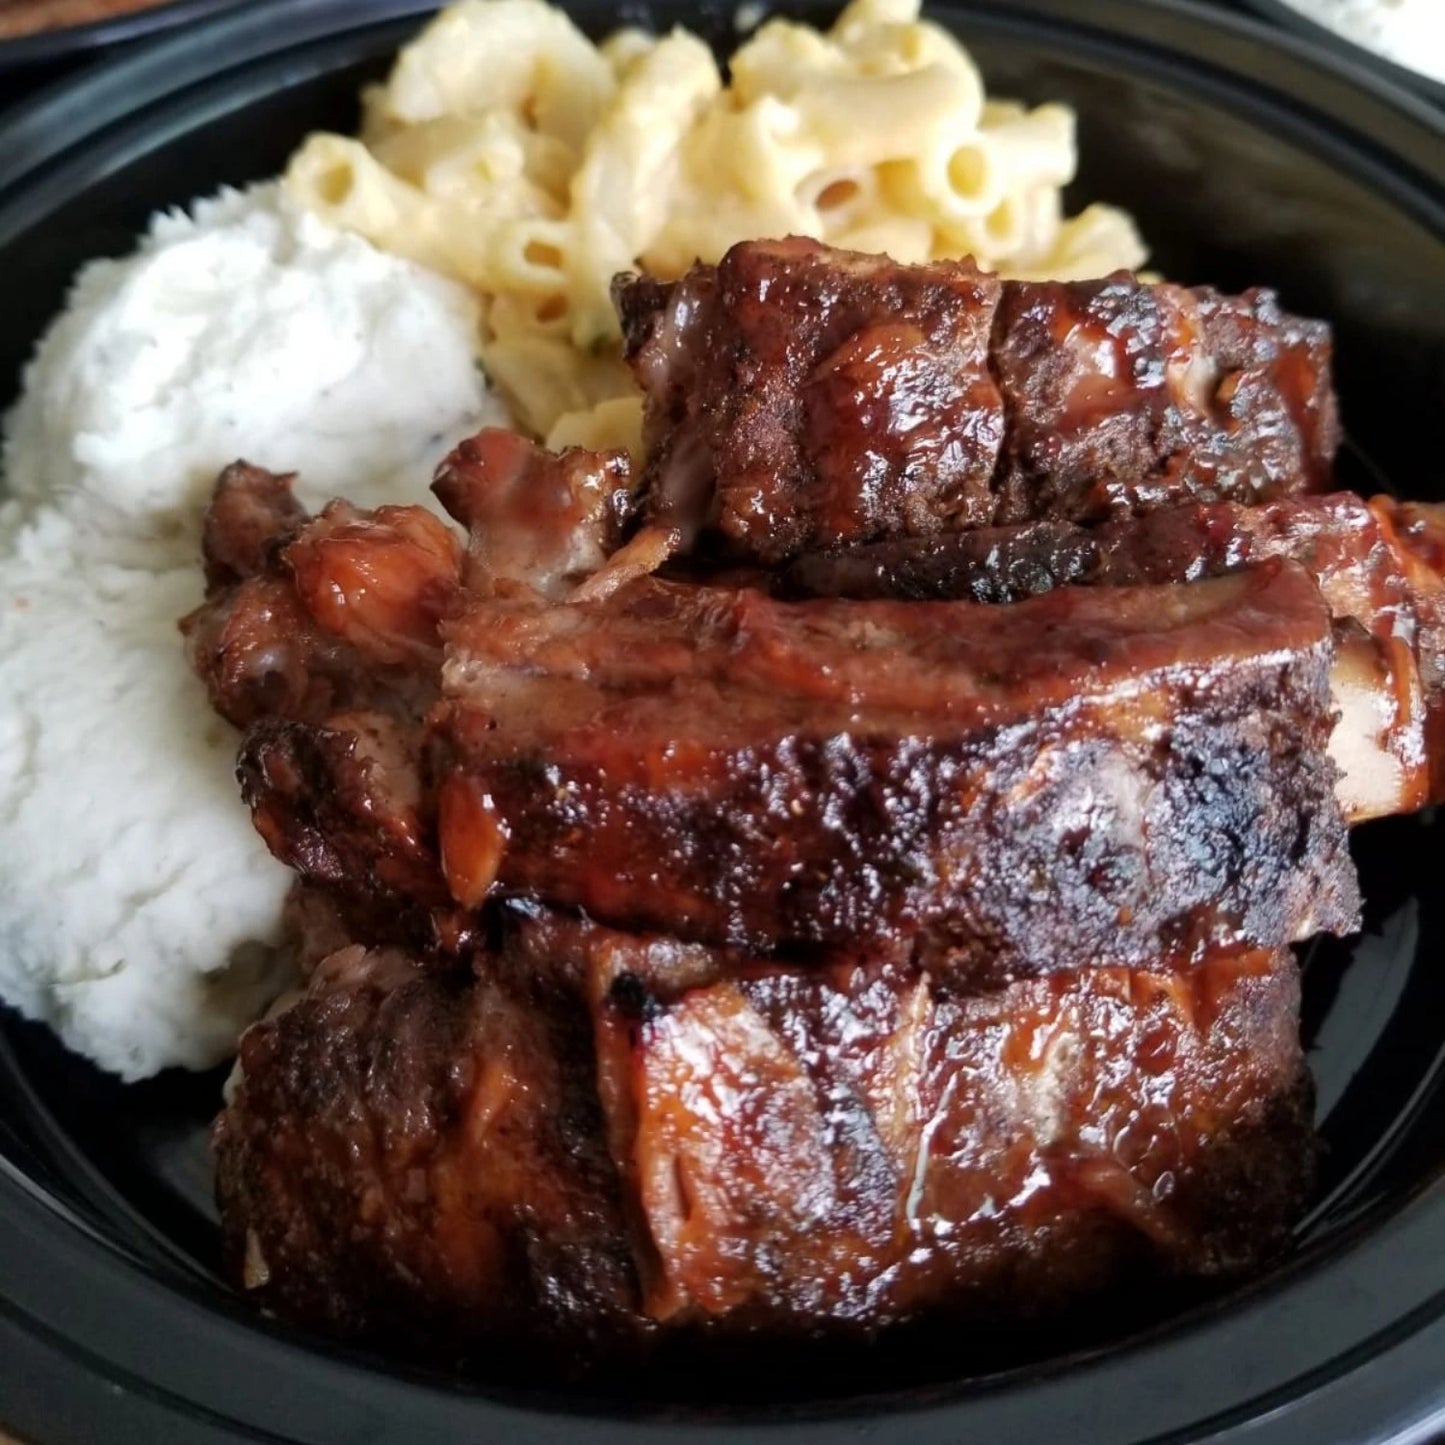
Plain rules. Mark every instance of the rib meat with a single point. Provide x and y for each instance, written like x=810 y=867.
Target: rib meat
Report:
x=598 y=1134
x=308 y=616
x=535 y=519
x=1090 y=777
x=1124 y=395
x=1371 y=561
x=1342 y=539
x=798 y=396
x=848 y=1146
x=413 y=1155
x=345 y=806
x=251 y=515
x=1418 y=529
x=324 y=816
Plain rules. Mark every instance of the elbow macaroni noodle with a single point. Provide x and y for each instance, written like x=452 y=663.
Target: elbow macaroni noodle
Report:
x=510 y=152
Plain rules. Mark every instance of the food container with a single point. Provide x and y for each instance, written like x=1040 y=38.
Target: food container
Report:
x=28 y=59
x=1248 y=157
x=1283 y=13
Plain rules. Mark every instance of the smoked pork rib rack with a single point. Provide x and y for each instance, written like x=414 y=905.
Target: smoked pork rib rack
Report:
x=902 y=934
x=799 y=396
x=590 y=1135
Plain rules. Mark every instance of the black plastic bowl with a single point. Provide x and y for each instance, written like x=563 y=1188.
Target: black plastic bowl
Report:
x=1283 y=13
x=47 y=50
x=1248 y=158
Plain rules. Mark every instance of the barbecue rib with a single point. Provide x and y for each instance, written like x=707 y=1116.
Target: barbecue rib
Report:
x=308 y=616
x=799 y=396
x=302 y=781
x=408 y=1150
x=1121 y=777
x=600 y=1133
x=1091 y=777
x=536 y=520
x=1373 y=562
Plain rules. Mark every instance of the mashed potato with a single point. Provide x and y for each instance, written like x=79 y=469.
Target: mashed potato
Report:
x=246 y=328
x=138 y=909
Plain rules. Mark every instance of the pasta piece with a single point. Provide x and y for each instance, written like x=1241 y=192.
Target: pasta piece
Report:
x=1100 y=239
x=779 y=59
x=961 y=176
x=863 y=16
x=1030 y=148
x=492 y=161
x=376 y=121
x=521 y=56
x=998 y=239
x=898 y=49
x=739 y=172
x=625 y=48
x=515 y=316
x=609 y=424
x=343 y=183
x=862 y=120
x=886 y=37
x=531 y=256
x=908 y=239
x=623 y=190
x=543 y=378
x=839 y=198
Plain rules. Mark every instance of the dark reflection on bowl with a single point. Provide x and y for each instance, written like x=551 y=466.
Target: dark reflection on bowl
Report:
x=42 y=55
x=1234 y=184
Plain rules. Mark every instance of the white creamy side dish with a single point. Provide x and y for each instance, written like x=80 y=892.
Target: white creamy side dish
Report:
x=138 y=907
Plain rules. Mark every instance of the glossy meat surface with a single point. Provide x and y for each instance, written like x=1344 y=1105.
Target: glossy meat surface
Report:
x=1417 y=530
x=1086 y=778
x=416 y=1156
x=251 y=515
x=1124 y=395
x=1389 y=675
x=534 y=519
x=1338 y=537
x=307 y=616
x=595 y=1134
x=345 y=806
x=853 y=394
x=848 y=1146
x=798 y=396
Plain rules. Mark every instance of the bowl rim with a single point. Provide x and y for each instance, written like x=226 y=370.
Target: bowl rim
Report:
x=1281 y=12
x=131 y=1341
x=82 y=1317
x=46 y=47
x=40 y=128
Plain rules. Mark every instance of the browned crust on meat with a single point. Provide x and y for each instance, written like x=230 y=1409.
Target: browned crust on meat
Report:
x=598 y=1133
x=800 y=396
x=1086 y=778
